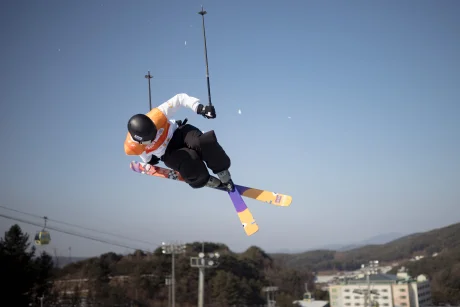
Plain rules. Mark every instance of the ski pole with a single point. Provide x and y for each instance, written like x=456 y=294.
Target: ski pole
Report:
x=202 y=13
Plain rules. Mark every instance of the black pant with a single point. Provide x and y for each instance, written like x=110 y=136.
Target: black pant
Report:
x=187 y=151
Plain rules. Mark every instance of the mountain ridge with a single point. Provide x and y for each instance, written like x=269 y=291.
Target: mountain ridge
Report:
x=377 y=239
x=404 y=248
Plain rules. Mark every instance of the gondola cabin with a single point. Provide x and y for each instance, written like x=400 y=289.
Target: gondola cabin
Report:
x=42 y=238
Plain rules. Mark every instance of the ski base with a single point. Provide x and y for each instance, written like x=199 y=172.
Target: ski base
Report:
x=265 y=196
x=244 y=214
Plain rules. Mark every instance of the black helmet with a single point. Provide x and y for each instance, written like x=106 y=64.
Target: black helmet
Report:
x=142 y=128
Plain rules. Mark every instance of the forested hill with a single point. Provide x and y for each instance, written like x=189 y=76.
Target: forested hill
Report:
x=237 y=280
x=139 y=279
x=425 y=243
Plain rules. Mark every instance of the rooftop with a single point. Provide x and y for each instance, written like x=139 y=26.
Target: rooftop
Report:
x=376 y=279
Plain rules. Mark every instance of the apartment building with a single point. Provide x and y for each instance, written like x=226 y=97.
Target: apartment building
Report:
x=386 y=290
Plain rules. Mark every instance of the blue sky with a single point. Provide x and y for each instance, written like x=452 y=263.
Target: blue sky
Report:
x=350 y=107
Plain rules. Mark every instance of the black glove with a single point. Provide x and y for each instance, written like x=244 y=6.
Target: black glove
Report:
x=154 y=160
x=181 y=123
x=206 y=111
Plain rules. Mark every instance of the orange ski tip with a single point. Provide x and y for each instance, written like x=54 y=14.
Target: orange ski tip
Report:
x=251 y=229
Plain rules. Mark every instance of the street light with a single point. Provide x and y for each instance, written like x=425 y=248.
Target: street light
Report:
x=373 y=268
x=173 y=248
x=270 y=298
x=202 y=262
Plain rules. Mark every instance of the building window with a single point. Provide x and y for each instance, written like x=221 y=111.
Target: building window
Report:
x=356 y=304
x=347 y=290
x=347 y=297
x=385 y=297
x=402 y=290
x=347 y=304
x=384 y=290
x=403 y=304
x=403 y=296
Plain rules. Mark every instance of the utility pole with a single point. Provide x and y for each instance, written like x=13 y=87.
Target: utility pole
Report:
x=149 y=76
x=270 y=298
x=169 y=283
x=41 y=300
x=173 y=249
x=372 y=268
x=202 y=262
x=56 y=258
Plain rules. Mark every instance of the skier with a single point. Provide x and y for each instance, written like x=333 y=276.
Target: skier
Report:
x=182 y=147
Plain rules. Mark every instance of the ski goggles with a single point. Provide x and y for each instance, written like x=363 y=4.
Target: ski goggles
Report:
x=141 y=142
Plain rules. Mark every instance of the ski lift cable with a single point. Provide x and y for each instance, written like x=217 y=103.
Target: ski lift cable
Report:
x=77 y=226
x=73 y=233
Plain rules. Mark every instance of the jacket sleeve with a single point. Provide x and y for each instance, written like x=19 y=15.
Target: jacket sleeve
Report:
x=169 y=107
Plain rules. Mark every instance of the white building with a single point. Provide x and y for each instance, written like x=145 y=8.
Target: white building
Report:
x=309 y=301
x=421 y=291
x=385 y=291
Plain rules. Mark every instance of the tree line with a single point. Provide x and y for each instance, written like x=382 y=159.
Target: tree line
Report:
x=138 y=279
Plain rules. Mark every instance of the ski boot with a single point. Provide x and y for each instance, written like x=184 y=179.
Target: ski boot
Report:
x=226 y=180
x=213 y=182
